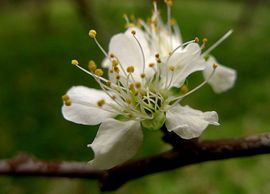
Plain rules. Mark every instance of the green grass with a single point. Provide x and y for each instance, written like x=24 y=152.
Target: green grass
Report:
x=36 y=71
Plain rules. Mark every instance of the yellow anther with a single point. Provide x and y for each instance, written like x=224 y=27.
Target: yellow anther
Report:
x=117 y=77
x=169 y=2
x=65 y=98
x=173 y=21
x=116 y=69
x=151 y=65
x=138 y=85
x=196 y=39
x=130 y=69
x=143 y=75
x=67 y=102
x=109 y=83
x=130 y=25
x=133 y=32
x=172 y=68
x=99 y=72
x=111 y=71
x=115 y=62
x=92 y=33
x=92 y=66
x=131 y=87
x=113 y=97
x=101 y=102
x=184 y=89
x=74 y=62
x=215 y=66
x=205 y=40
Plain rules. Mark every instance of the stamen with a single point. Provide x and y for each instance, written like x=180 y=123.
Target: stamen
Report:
x=143 y=56
x=138 y=85
x=169 y=5
x=74 y=62
x=66 y=100
x=92 y=34
x=196 y=40
x=92 y=66
x=101 y=102
x=225 y=36
x=142 y=75
x=99 y=72
x=151 y=65
x=184 y=89
x=177 y=99
x=130 y=69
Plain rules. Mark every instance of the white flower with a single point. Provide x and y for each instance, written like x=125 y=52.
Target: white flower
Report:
x=165 y=38
x=139 y=94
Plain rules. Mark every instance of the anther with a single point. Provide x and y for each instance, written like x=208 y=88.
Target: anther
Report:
x=196 y=40
x=143 y=75
x=109 y=83
x=131 y=87
x=116 y=69
x=172 y=68
x=157 y=55
x=151 y=65
x=113 y=97
x=115 y=62
x=138 y=85
x=130 y=69
x=169 y=2
x=65 y=97
x=205 y=40
x=101 y=102
x=99 y=72
x=184 y=89
x=92 y=66
x=172 y=21
x=75 y=62
x=215 y=66
x=92 y=33
x=133 y=32
x=117 y=77
x=67 y=102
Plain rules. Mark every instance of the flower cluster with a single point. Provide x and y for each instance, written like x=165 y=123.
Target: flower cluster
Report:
x=146 y=65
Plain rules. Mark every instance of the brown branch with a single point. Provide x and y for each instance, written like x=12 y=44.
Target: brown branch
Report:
x=183 y=154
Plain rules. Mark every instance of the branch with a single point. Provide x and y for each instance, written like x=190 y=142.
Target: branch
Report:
x=184 y=153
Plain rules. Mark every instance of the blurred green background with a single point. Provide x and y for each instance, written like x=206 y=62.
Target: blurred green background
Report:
x=39 y=38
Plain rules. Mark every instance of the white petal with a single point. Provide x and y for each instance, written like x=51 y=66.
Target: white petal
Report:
x=128 y=52
x=115 y=143
x=189 y=123
x=223 y=79
x=84 y=109
x=106 y=63
x=186 y=62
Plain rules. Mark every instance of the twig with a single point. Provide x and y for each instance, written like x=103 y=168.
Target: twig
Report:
x=183 y=154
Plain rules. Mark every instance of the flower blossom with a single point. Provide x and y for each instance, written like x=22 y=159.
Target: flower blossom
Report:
x=145 y=66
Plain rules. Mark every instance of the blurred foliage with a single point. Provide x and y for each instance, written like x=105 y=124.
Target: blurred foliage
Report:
x=36 y=46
